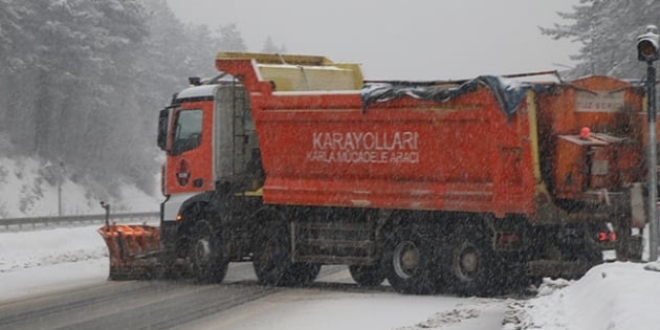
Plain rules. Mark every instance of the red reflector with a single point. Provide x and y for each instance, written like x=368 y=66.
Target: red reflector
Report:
x=508 y=238
x=602 y=236
x=612 y=236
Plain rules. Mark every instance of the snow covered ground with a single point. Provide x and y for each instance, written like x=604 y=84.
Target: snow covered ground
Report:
x=29 y=188
x=617 y=296
x=613 y=296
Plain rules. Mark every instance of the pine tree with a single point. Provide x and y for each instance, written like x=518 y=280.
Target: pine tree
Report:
x=83 y=80
x=270 y=47
x=607 y=31
x=231 y=39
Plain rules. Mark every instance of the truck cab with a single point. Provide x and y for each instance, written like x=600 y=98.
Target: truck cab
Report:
x=211 y=144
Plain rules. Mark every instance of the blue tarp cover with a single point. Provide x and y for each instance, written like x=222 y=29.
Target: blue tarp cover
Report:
x=508 y=93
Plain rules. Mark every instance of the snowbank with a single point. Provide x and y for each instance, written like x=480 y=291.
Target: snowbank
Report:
x=613 y=296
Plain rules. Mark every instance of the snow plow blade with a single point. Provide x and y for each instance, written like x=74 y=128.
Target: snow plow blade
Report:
x=133 y=251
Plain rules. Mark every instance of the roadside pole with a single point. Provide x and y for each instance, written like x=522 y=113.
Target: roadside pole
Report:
x=647 y=51
x=653 y=163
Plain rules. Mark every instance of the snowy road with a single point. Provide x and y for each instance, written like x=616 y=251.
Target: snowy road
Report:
x=332 y=302
x=56 y=279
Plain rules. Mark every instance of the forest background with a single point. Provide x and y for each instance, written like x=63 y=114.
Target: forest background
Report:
x=81 y=81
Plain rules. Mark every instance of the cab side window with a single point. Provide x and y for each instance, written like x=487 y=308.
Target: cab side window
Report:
x=187 y=131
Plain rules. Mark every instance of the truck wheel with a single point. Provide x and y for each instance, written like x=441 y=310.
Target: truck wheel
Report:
x=409 y=264
x=367 y=276
x=473 y=269
x=300 y=274
x=272 y=258
x=207 y=261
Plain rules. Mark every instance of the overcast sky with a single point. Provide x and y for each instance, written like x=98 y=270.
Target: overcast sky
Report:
x=418 y=39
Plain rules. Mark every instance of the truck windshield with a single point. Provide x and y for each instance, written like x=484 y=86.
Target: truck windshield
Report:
x=188 y=131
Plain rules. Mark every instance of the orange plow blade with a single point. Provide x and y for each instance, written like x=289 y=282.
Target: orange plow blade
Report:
x=133 y=250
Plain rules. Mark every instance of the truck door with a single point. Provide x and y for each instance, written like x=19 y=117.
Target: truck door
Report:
x=189 y=163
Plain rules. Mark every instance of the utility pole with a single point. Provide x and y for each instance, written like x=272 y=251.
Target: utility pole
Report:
x=59 y=198
x=647 y=51
x=59 y=188
x=653 y=164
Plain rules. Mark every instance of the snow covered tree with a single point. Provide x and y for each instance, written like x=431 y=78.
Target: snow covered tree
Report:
x=18 y=62
x=65 y=87
x=607 y=30
x=270 y=47
x=83 y=80
x=231 y=39
x=11 y=34
x=85 y=75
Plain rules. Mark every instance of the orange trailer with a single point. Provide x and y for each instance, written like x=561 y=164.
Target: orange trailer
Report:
x=473 y=186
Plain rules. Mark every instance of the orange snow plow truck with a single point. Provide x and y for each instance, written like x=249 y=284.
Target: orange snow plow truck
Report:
x=473 y=187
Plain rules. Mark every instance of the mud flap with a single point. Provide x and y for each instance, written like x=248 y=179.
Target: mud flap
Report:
x=132 y=250
x=630 y=247
x=635 y=247
x=637 y=206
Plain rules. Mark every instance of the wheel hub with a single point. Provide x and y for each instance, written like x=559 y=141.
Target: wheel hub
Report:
x=406 y=259
x=202 y=250
x=467 y=265
x=469 y=262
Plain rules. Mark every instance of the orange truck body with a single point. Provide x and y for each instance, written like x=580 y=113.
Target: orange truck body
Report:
x=461 y=155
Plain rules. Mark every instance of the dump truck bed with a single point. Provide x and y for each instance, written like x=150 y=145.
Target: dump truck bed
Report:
x=465 y=153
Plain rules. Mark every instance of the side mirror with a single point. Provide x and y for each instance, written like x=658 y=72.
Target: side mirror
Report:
x=163 y=126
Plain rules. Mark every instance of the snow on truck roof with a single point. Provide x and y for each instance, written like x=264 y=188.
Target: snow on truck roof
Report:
x=197 y=92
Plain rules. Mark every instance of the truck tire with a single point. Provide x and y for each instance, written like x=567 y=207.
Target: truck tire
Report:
x=587 y=249
x=409 y=264
x=300 y=274
x=272 y=258
x=473 y=270
x=208 y=263
x=367 y=276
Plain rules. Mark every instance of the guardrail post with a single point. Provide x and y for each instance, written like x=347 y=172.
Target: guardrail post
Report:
x=107 y=213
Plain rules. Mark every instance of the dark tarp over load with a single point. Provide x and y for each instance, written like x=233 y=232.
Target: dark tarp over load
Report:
x=509 y=93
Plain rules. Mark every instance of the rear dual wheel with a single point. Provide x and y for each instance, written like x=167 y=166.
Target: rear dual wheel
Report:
x=409 y=263
x=300 y=274
x=473 y=267
x=367 y=276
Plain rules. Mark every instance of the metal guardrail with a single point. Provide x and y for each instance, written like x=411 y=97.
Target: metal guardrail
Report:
x=92 y=218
